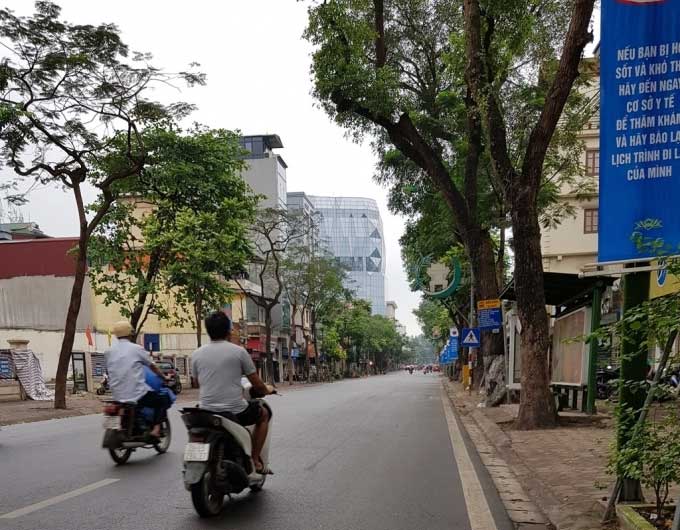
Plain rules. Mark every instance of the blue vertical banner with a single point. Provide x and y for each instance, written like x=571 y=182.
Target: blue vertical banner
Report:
x=639 y=124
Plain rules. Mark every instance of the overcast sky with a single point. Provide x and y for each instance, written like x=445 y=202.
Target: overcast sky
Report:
x=258 y=82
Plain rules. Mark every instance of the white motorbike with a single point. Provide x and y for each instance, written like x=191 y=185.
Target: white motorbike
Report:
x=218 y=458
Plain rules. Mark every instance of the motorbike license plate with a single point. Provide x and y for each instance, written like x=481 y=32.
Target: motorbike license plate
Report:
x=112 y=422
x=196 y=452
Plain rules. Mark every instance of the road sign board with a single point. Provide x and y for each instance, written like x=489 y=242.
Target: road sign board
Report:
x=453 y=347
x=490 y=318
x=489 y=304
x=632 y=175
x=450 y=352
x=471 y=337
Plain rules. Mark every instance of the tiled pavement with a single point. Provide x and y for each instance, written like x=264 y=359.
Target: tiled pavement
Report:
x=555 y=473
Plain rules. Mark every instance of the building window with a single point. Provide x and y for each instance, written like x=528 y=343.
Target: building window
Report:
x=592 y=162
x=590 y=220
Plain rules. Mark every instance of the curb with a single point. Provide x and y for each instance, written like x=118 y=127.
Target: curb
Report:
x=524 y=514
x=495 y=449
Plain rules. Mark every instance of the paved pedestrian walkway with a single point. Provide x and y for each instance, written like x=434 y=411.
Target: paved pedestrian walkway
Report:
x=562 y=470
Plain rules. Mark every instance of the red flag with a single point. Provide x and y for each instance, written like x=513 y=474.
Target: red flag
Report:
x=88 y=334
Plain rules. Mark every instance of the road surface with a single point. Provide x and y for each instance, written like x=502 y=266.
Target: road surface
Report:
x=369 y=454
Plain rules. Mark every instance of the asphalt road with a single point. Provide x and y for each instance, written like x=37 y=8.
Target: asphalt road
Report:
x=367 y=454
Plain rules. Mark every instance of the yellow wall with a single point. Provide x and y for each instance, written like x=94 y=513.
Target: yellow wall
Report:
x=659 y=286
x=105 y=316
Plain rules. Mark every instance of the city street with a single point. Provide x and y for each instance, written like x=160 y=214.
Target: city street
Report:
x=373 y=453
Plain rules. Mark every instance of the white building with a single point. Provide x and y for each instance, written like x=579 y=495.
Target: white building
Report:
x=266 y=171
x=573 y=243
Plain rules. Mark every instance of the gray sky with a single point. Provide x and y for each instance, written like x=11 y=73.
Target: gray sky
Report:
x=258 y=82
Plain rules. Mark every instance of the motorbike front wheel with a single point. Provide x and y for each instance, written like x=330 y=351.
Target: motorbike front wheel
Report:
x=166 y=437
x=205 y=499
x=120 y=455
x=101 y=391
x=178 y=387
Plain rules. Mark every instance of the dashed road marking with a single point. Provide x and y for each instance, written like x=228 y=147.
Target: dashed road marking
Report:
x=59 y=498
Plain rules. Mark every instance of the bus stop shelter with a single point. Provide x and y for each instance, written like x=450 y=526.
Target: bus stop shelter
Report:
x=576 y=312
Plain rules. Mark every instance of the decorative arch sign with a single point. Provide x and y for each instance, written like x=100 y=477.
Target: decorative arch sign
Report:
x=640 y=125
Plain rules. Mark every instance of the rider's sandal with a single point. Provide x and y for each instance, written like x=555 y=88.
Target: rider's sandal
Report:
x=263 y=470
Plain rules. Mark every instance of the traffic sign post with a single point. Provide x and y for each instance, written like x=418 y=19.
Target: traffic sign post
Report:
x=489 y=314
x=471 y=337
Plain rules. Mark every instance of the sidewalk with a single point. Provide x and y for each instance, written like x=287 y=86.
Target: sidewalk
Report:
x=562 y=471
x=13 y=412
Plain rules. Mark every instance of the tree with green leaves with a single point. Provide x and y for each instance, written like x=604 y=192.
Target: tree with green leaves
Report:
x=209 y=248
x=521 y=62
x=272 y=234
x=435 y=320
x=188 y=202
x=331 y=345
x=327 y=296
x=380 y=68
x=382 y=343
x=408 y=72
x=70 y=96
x=295 y=275
x=353 y=325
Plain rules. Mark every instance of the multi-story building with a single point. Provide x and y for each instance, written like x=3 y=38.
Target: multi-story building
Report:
x=351 y=229
x=573 y=242
x=266 y=170
x=266 y=174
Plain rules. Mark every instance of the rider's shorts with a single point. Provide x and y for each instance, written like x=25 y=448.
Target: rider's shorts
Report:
x=251 y=415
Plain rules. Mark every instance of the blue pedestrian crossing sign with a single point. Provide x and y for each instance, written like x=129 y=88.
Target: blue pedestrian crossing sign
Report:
x=471 y=337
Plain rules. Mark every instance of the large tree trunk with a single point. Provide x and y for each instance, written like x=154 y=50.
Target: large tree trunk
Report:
x=537 y=407
x=314 y=342
x=198 y=313
x=307 y=361
x=293 y=336
x=71 y=321
x=291 y=367
x=483 y=262
x=269 y=363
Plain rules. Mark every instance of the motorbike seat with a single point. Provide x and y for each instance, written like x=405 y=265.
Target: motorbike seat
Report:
x=194 y=417
x=121 y=404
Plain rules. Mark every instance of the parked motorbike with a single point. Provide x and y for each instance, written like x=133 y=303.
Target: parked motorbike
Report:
x=606 y=381
x=103 y=386
x=126 y=429
x=217 y=458
x=410 y=369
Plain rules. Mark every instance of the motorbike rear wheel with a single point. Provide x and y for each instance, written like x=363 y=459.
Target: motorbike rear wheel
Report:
x=178 y=387
x=166 y=438
x=206 y=501
x=120 y=455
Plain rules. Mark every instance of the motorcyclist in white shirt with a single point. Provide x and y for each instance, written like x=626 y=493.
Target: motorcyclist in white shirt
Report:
x=125 y=363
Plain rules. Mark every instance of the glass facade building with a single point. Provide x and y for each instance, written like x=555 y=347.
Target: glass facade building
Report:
x=351 y=229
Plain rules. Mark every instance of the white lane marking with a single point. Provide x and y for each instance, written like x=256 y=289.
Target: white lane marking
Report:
x=59 y=498
x=477 y=506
